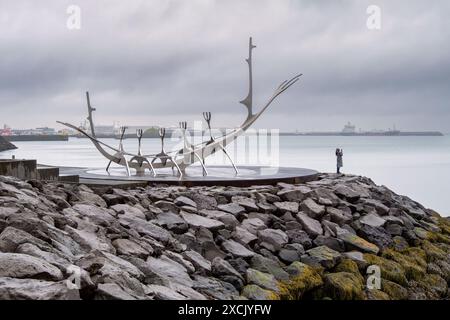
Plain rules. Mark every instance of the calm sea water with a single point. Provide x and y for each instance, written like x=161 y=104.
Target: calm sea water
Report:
x=418 y=167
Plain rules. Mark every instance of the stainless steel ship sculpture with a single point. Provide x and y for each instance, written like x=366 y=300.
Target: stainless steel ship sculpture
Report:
x=189 y=154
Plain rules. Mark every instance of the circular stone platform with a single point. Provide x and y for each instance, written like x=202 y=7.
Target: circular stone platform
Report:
x=217 y=175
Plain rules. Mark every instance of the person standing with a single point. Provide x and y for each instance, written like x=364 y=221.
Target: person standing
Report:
x=339 y=162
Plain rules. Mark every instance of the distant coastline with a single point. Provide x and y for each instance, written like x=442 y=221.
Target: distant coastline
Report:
x=367 y=134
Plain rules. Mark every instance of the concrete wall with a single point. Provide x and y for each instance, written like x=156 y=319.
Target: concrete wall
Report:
x=22 y=169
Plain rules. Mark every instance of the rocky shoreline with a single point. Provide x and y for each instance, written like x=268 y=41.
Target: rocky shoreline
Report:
x=6 y=145
x=318 y=240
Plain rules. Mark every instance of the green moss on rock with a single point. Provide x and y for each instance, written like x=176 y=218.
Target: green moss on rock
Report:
x=394 y=290
x=303 y=279
x=433 y=252
x=374 y=294
x=344 y=286
x=254 y=292
x=262 y=279
x=390 y=270
x=415 y=267
x=434 y=283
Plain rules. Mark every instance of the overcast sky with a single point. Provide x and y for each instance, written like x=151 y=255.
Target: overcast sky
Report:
x=161 y=61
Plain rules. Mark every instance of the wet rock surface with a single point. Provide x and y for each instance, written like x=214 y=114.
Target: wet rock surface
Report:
x=314 y=241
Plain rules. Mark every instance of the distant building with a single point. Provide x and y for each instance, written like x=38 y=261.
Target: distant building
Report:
x=6 y=131
x=44 y=131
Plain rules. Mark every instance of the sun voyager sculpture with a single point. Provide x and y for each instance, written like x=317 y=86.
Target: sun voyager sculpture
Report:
x=189 y=154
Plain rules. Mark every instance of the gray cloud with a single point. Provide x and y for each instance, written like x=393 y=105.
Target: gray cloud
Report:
x=158 y=62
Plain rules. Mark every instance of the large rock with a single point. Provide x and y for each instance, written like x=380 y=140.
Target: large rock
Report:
x=129 y=210
x=347 y=193
x=171 y=221
x=215 y=288
x=339 y=216
x=91 y=198
x=31 y=289
x=166 y=206
x=300 y=237
x=323 y=256
x=269 y=266
x=272 y=239
x=237 y=249
x=233 y=208
x=145 y=228
x=326 y=195
x=352 y=241
x=90 y=240
x=130 y=248
x=253 y=225
x=198 y=221
x=57 y=259
x=197 y=260
x=221 y=267
x=330 y=242
x=185 y=201
x=311 y=226
x=286 y=206
x=378 y=205
x=378 y=236
x=262 y=279
x=165 y=268
x=17 y=265
x=203 y=201
x=312 y=209
x=254 y=292
x=163 y=293
x=112 y=291
x=248 y=203
x=296 y=194
x=344 y=286
x=372 y=220
x=11 y=238
x=228 y=219
x=97 y=215
x=243 y=236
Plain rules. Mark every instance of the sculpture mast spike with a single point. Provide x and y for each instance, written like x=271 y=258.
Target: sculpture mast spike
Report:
x=248 y=101
x=90 y=110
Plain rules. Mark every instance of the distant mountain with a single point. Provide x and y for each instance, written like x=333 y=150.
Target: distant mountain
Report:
x=5 y=145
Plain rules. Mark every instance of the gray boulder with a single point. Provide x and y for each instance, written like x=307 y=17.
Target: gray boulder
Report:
x=237 y=249
x=171 y=221
x=272 y=239
x=312 y=209
x=248 y=203
x=372 y=220
x=16 y=265
x=286 y=206
x=220 y=268
x=31 y=289
x=233 y=208
x=196 y=220
x=323 y=256
x=311 y=226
